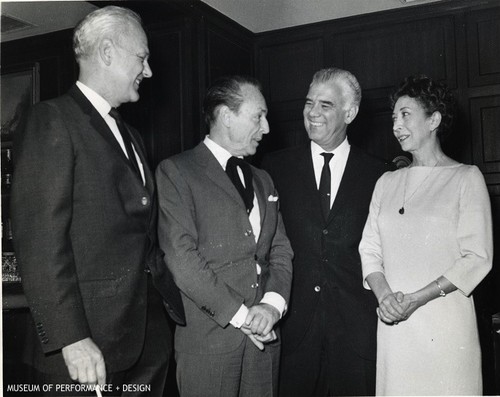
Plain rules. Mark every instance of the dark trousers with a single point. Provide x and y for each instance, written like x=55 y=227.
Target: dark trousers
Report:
x=145 y=378
x=324 y=364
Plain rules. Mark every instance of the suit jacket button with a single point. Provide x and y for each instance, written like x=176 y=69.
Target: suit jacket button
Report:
x=325 y=231
x=248 y=233
x=45 y=340
x=144 y=201
x=255 y=285
x=317 y=288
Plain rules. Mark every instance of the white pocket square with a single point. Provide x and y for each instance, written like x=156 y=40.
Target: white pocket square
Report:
x=272 y=198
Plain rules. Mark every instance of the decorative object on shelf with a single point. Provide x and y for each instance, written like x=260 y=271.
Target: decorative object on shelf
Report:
x=10 y=272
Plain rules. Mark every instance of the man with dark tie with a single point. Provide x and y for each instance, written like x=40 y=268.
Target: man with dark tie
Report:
x=224 y=242
x=84 y=217
x=325 y=187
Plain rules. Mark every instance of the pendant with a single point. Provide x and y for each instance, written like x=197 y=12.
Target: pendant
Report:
x=402 y=210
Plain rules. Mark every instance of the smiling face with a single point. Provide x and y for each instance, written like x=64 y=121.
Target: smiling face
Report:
x=412 y=127
x=248 y=124
x=327 y=113
x=130 y=65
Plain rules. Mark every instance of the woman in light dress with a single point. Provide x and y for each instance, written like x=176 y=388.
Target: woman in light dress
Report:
x=426 y=245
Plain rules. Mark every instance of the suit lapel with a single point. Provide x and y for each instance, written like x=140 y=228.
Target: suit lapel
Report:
x=215 y=172
x=96 y=121
x=148 y=176
x=306 y=180
x=348 y=178
x=99 y=125
x=259 y=190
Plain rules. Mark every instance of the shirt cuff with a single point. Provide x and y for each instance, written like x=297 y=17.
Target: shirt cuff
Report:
x=276 y=300
x=239 y=318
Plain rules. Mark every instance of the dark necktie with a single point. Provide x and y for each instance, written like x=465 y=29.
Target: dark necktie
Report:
x=127 y=140
x=246 y=192
x=325 y=185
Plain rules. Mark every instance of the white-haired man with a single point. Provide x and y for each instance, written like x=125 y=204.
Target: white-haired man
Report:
x=325 y=187
x=84 y=219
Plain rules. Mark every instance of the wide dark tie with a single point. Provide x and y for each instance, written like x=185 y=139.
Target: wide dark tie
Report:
x=325 y=185
x=127 y=140
x=246 y=192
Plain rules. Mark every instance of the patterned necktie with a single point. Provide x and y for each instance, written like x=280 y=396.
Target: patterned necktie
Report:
x=246 y=192
x=325 y=185
x=127 y=140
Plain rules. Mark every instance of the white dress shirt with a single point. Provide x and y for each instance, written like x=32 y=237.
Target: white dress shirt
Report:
x=337 y=165
x=103 y=107
x=272 y=298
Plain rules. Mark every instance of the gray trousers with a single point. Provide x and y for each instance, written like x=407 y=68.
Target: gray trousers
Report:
x=244 y=372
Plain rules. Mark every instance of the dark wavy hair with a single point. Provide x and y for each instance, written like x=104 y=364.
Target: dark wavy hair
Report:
x=226 y=91
x=432 y=96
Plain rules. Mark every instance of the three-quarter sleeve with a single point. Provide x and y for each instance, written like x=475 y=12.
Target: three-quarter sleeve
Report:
x=370 y=247
x=474 y=234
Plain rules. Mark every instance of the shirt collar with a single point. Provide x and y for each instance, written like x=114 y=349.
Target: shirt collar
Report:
x=101 y=105
x=340 y=150
x=221 y=154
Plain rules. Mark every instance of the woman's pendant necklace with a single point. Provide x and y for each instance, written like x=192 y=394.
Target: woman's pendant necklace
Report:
x=405 y=200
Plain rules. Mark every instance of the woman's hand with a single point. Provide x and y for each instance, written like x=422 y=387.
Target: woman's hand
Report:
x=410 y=303
x=398 y=307
x=390 y=309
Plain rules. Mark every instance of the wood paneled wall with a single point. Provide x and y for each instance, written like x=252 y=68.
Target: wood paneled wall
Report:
x=457 y=41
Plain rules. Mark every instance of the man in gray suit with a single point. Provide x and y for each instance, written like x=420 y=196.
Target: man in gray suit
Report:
x=225 y=244
x=84 y=217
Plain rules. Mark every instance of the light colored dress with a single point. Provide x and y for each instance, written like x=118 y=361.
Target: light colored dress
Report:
x=446 y=230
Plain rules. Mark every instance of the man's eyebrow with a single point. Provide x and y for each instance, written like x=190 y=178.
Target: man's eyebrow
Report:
x=322 y=102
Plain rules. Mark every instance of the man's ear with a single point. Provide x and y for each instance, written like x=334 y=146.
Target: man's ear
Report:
x=225 y=115
x=106 y=50
x=351 y=114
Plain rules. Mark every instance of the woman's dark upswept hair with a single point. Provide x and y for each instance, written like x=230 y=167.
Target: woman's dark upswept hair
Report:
x=433 y=97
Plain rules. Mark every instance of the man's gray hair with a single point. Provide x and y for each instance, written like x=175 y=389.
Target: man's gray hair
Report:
x=344 y=77
x=110 y=22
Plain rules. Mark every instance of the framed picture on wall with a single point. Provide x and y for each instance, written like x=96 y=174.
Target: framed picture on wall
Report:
x=20 y=90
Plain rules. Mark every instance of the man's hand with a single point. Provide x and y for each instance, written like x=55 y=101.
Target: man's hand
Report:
x=261 y=319
x=85 y=362
x=258 y=340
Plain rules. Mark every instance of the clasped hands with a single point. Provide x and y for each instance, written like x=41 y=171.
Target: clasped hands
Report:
x=259 y=324
x=396 y=306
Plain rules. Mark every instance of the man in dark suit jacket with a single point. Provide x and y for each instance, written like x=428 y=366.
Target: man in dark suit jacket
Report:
x=329 y=334
x=84 y=218
x=228 y=251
